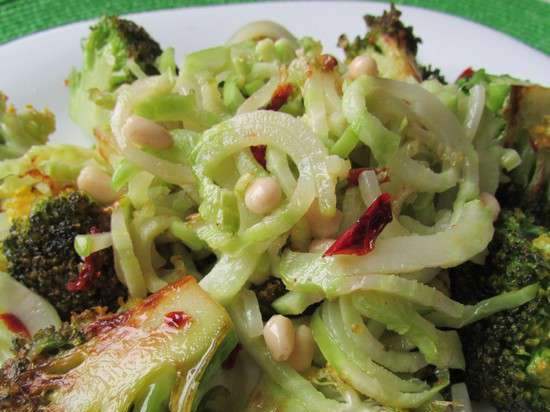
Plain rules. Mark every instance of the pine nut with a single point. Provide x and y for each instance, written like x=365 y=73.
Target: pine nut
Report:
x=302 y=355
x=362 y=65
x=144 y=132
x=263 y=195
x=97 y=184
x=322 y=226
x=491 y=203
x=279 y=337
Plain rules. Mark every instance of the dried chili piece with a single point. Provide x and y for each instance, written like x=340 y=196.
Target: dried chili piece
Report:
x=259 y=154
x=280 y=96
x=360 y=238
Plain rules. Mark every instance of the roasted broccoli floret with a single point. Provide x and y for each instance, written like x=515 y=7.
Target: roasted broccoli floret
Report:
x=20 y=131
x=506 y=354
x=115 y=52
x=152 y=357
x=528 y=131
x=390 y=43
x=40 y=254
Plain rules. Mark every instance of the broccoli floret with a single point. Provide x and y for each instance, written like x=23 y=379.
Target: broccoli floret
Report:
x=40 y=254
x=527 y=115
x=390 y=43
x=20 y=131
x=114 y=52
x=145 y=358
x=507 y=353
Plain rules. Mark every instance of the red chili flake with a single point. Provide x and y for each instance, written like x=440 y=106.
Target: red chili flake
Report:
x=89 y=272
x=14 y=324
x=177 y=319
x=259 y=154
x=328 y=62
x=95 y=230
x=280 y=96
x=468 y=72
x=107 y=323
x=231 y=360
x=382 y=174
x=360 y=238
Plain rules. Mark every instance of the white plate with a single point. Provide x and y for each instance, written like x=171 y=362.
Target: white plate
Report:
x=33 y=69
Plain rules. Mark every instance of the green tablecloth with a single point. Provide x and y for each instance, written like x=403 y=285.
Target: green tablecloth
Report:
x=527 y=20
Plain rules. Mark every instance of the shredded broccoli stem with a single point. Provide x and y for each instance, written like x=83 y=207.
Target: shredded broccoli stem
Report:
x=361 y=380
x=388 y=381
x=364 y=338
x=126 y=263
x=440 y=348
x=370 y=130
x=146 y=230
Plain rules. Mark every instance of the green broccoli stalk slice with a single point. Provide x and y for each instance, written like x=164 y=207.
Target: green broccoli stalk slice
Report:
x=152 y=357
x=156 y=396
x=507 y=353
x=40 y=254
x=116 y=52
x=204 y=392
x=20 y=131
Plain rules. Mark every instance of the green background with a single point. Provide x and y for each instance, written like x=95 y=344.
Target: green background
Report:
x=527 y=20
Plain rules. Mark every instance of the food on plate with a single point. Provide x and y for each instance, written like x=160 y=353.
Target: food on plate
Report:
x=263 y=226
